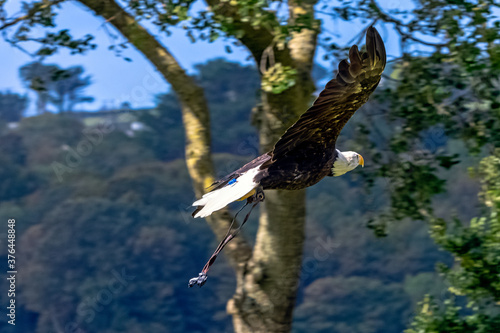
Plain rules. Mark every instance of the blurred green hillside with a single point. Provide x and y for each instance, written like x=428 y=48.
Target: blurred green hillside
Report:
x=104 y=225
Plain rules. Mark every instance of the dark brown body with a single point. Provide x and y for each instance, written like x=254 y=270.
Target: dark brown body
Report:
x=289 y=173
x=297 y=172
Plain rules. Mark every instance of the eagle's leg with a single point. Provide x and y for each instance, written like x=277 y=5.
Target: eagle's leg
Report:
x=202 y=276
x=257 y=197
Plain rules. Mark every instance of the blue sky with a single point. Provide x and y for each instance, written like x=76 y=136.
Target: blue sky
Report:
x=116 y=80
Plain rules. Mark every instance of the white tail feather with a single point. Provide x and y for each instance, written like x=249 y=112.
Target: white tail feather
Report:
x=222 y=197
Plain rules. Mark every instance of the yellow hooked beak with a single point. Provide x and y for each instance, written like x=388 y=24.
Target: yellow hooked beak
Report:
x=361 y=161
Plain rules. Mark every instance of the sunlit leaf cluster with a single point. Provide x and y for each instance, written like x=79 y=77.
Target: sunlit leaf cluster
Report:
x=278 y=78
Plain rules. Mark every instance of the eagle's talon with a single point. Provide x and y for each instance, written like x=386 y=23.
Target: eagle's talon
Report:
x=199 y=280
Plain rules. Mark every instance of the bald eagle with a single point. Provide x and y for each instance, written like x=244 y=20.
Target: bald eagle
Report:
x=306 y=153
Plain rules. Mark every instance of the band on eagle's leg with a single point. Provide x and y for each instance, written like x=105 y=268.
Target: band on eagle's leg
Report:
x=202 y=276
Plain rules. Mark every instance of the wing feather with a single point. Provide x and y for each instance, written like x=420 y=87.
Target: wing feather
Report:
x=234 y=175
x=320 y=125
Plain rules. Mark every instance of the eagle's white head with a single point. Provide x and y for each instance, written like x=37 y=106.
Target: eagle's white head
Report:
x=346 y=161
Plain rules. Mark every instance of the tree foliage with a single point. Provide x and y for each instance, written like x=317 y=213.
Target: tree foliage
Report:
x=63 y=88
x=474 y=276
x=444 y=86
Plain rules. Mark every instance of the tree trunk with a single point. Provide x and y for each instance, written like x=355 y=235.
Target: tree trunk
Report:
x=267 y=288
x=266 y=293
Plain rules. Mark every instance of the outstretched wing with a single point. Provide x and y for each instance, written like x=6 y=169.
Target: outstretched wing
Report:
x=320 y=125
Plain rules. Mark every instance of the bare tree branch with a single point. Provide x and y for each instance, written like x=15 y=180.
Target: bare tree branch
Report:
x=31 y=13
x=398 y=24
